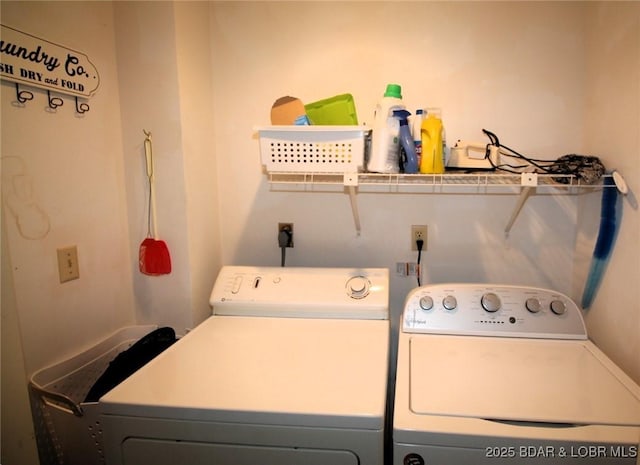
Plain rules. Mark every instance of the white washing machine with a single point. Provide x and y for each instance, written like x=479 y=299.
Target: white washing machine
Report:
x=291 y=368
x=506 y=374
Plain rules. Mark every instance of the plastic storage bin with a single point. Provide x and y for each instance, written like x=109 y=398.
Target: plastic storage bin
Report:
x=67 y=428
x=318 y=149
x=338 y=110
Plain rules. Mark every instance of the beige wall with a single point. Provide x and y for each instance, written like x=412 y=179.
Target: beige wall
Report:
x=612 y=122
x=86 y=174
x=72 y=168
x=200 y=76
x=574 y=90
x=164 y=72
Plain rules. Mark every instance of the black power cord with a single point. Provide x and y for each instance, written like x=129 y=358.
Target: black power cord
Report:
x=284 y=241
x=419 y=245
x=586 y=168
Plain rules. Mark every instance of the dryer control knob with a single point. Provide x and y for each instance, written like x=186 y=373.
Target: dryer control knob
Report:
x=558 y=307
x=236 y=285
x=490 y=302
x=450 y=302
x=426 y=303
x=358 y=287
x=533 y=305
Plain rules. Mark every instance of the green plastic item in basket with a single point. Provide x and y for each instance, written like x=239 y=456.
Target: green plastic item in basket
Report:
x=335 y=111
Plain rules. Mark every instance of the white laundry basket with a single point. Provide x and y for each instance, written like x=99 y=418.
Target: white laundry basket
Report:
x=318 y=149
x=67 y=428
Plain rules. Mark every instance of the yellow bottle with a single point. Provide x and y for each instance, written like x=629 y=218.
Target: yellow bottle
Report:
x=431 y=133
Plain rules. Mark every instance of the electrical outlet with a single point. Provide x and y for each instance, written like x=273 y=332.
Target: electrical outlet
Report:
x=286 y=228
x=68 y=264
x=418 y=232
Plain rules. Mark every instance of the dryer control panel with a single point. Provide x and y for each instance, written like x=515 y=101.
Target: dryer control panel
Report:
x=354 y=293
x=492 y=310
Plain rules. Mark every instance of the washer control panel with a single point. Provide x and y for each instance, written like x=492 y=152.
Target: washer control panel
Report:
x=492 y=310
x=357 y=293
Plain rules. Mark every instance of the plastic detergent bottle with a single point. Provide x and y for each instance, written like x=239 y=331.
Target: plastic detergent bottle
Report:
x=432 y=145
x=406 y=140
x=385 y=148
x=416 y=132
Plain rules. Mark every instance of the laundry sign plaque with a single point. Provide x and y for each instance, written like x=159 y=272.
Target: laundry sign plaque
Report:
x=36 y=62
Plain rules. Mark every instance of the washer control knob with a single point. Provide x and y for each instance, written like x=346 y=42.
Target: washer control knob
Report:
x=426 y=303
x=490 y=302
x=533 y=305
x=558 y=307
x=449 y=302
x=358 y=287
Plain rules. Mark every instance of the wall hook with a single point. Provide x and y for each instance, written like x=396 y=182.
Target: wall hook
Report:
x=23 y=96
x=81 y=107
x=54 y=102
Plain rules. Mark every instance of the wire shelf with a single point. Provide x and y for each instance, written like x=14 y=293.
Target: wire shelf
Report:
x=479 y=180
x=522 y=184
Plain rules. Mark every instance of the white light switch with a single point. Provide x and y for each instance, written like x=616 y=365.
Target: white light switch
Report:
x=68 y=264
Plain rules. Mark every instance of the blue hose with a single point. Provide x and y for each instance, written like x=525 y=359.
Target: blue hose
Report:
x=609 y=222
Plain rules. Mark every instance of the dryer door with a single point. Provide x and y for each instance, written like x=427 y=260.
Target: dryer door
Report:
x=165 y=452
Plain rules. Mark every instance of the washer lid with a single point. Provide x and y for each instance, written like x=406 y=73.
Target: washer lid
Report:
x=525 y=380
x=271 y=371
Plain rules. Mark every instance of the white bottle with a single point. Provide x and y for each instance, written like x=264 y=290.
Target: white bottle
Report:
x=385 y=144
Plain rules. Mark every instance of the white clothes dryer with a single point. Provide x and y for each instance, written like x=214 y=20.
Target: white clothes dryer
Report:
x=291 y=368
x=506 y=374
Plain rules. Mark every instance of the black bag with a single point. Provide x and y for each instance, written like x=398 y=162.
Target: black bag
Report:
x=130 y=360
